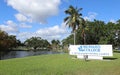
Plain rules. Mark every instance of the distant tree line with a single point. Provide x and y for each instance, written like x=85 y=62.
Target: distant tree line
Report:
x=41 y=44
x=9 y=42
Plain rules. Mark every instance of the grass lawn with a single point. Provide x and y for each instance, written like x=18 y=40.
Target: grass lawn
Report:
x=59 y=64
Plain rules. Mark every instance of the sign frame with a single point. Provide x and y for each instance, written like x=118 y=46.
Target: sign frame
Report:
x=93 y=51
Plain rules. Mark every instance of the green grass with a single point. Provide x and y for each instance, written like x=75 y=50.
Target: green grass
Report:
x=59 y=64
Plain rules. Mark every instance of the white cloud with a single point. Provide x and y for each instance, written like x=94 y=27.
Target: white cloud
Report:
x=23 y=25
x=51 y=30
x=12 y=28
x=91 y=16
x=21 y=17
x=9 y=27
x=113 y=21
x=36 y=10
x=55 y=32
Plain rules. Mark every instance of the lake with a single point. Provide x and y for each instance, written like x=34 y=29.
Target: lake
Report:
x=19 y=54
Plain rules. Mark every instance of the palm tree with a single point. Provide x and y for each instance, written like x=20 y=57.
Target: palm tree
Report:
x=84 y=28
x=74 y=19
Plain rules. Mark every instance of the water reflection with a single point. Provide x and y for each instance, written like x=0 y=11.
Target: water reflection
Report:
x=19 y=54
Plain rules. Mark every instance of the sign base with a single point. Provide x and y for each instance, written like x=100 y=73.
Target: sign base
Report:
x=90 y=57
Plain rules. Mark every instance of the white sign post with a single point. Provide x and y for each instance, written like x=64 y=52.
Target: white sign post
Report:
x=92 y=51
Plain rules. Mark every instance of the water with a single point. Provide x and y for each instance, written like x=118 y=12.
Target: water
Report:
x=19 y=54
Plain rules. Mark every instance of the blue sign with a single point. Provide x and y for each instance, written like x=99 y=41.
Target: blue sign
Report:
x=89 y=48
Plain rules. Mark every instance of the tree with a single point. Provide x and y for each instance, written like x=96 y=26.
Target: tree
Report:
x=3 y=37
x=46 y=44
x=97 y=30
x=55 y=44
x=67 y=41
x=37 y=42
x=118 y=33
x=12 y=39
x=98 y=33
x=74 y=20
x=84 y=28
x=7 y=41
x=32 y=42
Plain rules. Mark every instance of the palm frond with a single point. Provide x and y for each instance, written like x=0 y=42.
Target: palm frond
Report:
x=74 y=19
x=65 y=19
x=80 y=14
x=79 y=9
x=67 y=11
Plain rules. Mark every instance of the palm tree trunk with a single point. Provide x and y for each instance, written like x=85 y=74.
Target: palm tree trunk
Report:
x=84 y=37
x=74 y=37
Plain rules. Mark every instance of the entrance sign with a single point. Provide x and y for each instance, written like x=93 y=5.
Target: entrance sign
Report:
x=91 y=50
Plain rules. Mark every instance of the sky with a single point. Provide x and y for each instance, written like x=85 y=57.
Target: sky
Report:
x=44 y=18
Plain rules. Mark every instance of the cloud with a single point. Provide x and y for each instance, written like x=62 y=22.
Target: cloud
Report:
x=91 y=16
x=23 y=25
x=9 y=27
x=55 y=32
x=22 y=18
x=113 y=21
x=35 y=10
x=12 y=28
